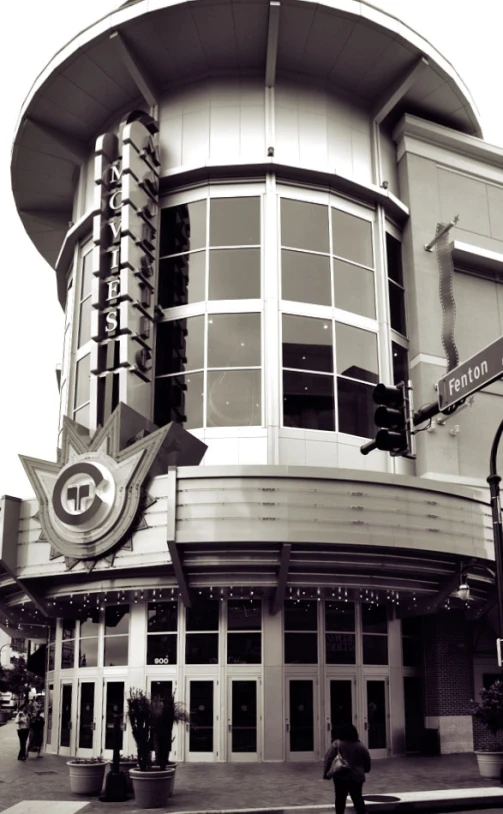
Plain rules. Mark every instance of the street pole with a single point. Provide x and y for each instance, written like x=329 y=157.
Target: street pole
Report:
x=494 y=481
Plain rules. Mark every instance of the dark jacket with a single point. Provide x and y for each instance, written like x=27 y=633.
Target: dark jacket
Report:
x=355 y=753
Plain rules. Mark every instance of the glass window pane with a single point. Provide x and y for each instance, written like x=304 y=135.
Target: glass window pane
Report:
x=116 y=651
x=50 y=658
x=91 y=625
x=374 y=618
x=84 y=322
x=162 y=616
x=308 y=401
x=340 y=648
x=182 y=228
x=304 y=225
x=234 y=274
x=117 y=619
x=400 y=363
x=244 y=614
x=203 y=615
x=301 y=615
x=161 y=649
x=182 y=280
x=411 y=652
x=394 y=259
x=82 y=416
x=234 y=221
x=397 y=308
x=301 y=648
x=83 y=371
x=356 y=353
x=244 y=648
x=233 y=340
x=375 y=649
x=173 y=403
x=356 y=408
x=88 y=652
x=352 y=237
x=201 y=648
x=67 y=654
x=339 y=616
x=307 y=343
x=180 y=345
x=305 y=278
x=354 y=289
x=68 y=631
x=234 y=398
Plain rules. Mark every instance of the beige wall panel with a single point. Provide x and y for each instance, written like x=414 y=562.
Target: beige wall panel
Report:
x=495 y=202
x=252 y=146
x=252 y=450
x=224 y=134
x=340 y=154
x=287 y=150
x=170 y=142
x=466 y=197
x=221 y=451
x=313 y=139
x=361 y=154
x=479 y=317
x=389 y=163
x=196 y=137
x=477 y=426
x=396 y=691
x=274 y=717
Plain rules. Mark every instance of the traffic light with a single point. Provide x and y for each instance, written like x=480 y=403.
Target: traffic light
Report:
x=393 y=418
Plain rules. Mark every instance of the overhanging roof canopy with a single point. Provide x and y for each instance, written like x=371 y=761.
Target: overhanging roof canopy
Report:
x=148 y=47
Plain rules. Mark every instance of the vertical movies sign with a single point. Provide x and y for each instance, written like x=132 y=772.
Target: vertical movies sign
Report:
x=125 y=229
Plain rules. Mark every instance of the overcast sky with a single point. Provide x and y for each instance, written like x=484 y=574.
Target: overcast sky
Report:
x=31 y=322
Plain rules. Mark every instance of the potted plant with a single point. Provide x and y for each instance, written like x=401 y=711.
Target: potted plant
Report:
x=86 y=774
x=152 y=726
x=165 y=714
x=489 y=711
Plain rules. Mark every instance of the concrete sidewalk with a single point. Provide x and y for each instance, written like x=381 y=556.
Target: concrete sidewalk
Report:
x=449 y=782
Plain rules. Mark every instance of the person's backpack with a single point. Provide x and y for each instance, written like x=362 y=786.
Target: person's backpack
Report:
x=339 y=765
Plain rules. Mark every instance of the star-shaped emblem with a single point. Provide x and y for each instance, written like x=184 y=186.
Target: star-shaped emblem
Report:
x=90 y=500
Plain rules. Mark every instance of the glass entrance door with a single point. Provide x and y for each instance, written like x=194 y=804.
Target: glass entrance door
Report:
x=376 y=716
x=300 y=724
x=114 y=692
x=201 y=736
x=86 y=723
x=242 y=719
x=339 y=705
x=65 y=717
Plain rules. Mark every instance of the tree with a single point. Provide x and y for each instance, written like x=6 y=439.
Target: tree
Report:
x=489 y=710
x=19 y=681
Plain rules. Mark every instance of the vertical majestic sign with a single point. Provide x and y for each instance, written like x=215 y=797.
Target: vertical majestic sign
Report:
x=125 y=229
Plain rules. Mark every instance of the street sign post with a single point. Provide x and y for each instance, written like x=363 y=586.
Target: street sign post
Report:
x=476 y=373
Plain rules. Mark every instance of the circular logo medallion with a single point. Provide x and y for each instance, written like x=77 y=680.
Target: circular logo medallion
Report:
x=83 y=495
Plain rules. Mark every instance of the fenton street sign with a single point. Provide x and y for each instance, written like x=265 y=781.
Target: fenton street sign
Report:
x=474 y=374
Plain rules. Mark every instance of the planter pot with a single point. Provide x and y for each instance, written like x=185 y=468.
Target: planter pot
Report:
x=86 y=778
x=172 y=779
x=490 y=764
x=151 y=789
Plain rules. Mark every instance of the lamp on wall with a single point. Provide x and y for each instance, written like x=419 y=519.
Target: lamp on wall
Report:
x=463 y=591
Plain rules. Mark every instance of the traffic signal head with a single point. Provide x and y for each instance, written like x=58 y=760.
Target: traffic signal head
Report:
x=393 y=419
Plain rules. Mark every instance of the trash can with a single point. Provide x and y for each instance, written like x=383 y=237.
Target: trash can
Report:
x=430 y=742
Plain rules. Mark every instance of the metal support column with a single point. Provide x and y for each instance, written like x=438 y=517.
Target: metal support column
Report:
x=494 y=481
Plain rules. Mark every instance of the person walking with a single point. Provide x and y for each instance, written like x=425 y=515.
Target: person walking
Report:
x=349 y=780
x=36 y=733
x=23 y=729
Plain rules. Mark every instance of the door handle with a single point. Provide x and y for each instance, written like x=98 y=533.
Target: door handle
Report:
x=230 y=727
x=365 y=725
x=93 y=725
x=329 y=726
x=288 y=727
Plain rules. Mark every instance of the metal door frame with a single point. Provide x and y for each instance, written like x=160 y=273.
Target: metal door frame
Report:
x=301 y=756
x=244 y=757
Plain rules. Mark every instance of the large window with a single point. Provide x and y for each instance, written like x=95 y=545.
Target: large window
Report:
x=375 y=633
x=68 y=644
x=201 y=641
x=208 y=365
x=327 y=257
x=309 y=385
x=162 y=635
x=116 y=635
x=301 y=631
x=340 y=635
x=89 y=639
x=244 y=626
x=395 y=284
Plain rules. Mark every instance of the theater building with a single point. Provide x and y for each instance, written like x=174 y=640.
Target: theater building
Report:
x=236 y=199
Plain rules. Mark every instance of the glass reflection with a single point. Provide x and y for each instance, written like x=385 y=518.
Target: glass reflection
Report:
x=356 y=353
x=234 y=274
x=180 y=345
x=400 y=363
x=234 y=221
x=117 y=619
x=304 y=225
x=352 y=237
x=307 y=343
x=83 y=372
x=308 y=401
x=161 y=648
x=234 y=398
x=85 y=322
x=233 y=340
x=88 y=652
x=182 y=280
x=356 y=408
x=116 y=651
x=354 y=289
x=175 y=403
x=305 y=278
x=162 y=616
x=183 y=227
